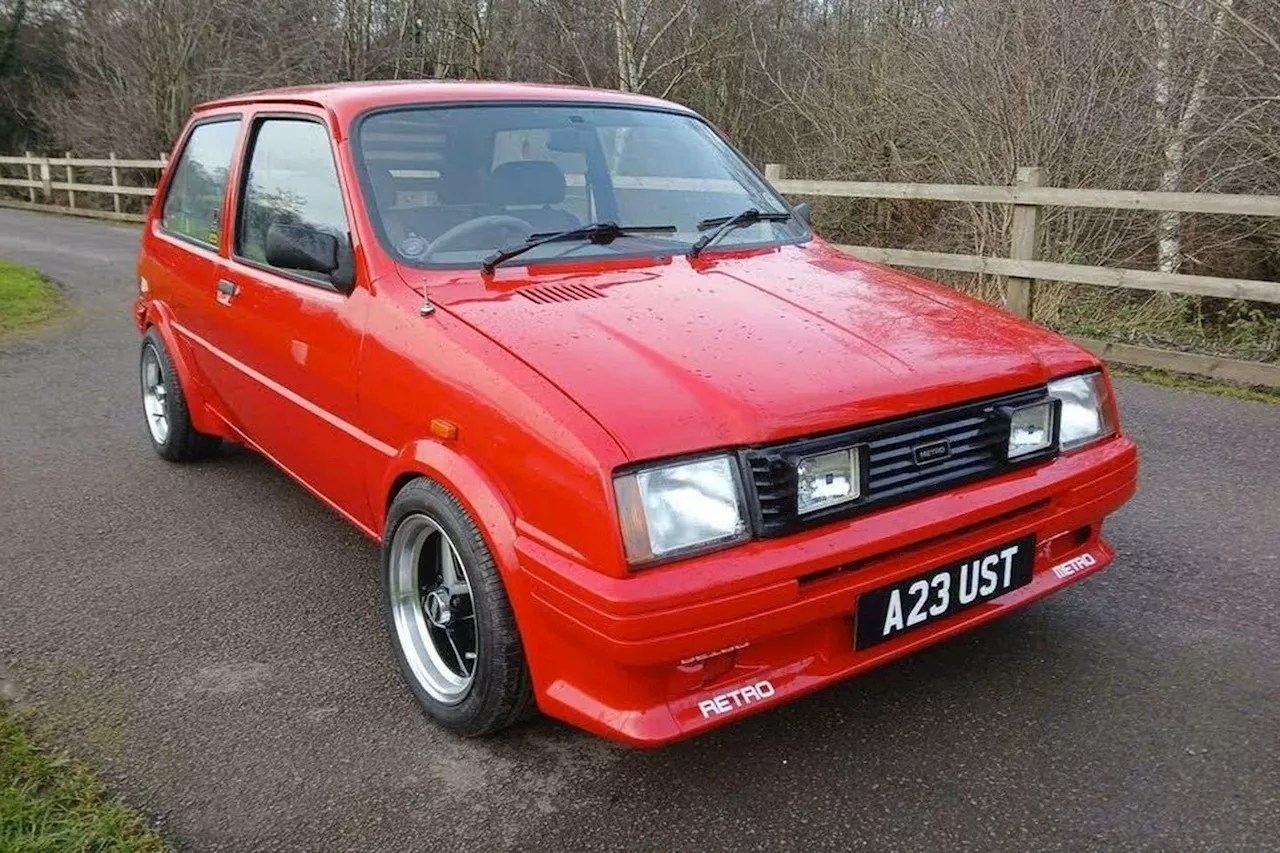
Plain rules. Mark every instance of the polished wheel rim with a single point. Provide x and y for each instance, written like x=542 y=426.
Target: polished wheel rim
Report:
x=432 y=607
x=155 y=395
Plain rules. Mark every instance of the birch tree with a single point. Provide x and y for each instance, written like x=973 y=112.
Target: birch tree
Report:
x=1183 y=70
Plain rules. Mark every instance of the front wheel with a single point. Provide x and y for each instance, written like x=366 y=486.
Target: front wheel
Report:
x=452 y=629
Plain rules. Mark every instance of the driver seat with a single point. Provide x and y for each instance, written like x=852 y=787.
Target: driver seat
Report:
x=529 y=189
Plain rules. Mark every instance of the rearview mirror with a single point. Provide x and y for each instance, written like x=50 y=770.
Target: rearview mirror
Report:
x=568 y=139
x=301 y=247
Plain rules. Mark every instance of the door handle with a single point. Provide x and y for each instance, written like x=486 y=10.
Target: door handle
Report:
x=226 y=290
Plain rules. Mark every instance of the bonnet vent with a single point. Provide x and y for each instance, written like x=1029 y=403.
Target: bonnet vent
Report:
x=560 y=293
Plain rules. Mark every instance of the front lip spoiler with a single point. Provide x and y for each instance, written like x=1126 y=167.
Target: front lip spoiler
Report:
x=681 y=717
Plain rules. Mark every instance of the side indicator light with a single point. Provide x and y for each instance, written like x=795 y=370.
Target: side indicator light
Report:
x=441 y=428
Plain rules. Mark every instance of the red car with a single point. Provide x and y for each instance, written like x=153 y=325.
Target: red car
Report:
x=640 y=449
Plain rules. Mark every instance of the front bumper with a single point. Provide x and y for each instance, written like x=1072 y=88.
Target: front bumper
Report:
x=678 y=649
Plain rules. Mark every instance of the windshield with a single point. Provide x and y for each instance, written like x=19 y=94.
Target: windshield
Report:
x=449 y=186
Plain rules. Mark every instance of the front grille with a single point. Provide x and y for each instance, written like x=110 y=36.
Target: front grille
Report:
x=975 y=433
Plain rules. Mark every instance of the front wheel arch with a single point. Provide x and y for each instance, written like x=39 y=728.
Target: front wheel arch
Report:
x=462 y=598
x=492 y=512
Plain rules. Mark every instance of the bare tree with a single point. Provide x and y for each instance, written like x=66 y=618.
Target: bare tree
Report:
x=1181 y=84
x=1168 y=94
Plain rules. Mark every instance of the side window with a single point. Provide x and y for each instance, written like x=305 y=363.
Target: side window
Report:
x=193 y=205
x=292 y=180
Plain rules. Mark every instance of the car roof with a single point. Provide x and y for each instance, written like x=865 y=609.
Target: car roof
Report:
x=347 y=99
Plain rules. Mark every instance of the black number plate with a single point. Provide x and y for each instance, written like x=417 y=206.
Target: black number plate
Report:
x=886 y=612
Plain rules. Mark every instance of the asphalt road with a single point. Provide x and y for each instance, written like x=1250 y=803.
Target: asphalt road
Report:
x=209 y=636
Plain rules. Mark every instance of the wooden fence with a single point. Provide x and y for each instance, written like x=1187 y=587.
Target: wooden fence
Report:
x=41 y=183
x=1021 y=269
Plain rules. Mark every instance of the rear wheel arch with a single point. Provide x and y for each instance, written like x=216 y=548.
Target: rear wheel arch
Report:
x=166 y=409
x=159 y=317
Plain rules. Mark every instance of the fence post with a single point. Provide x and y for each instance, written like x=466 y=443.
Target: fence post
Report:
x=774 y=172
x=115 y=182
x=1024 y=245
x=71 y=179
x=31 y=176
x=46 y=179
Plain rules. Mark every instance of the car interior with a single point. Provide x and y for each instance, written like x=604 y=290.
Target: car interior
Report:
x=426 y=186
x=450 y=183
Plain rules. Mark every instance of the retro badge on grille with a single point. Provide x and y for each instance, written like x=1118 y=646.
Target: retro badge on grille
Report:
x=932 y=451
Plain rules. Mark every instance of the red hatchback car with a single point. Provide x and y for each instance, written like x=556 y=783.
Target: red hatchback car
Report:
x=640 y=449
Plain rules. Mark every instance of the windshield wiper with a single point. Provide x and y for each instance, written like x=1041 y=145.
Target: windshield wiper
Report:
x=724 y=224
x=597 y=232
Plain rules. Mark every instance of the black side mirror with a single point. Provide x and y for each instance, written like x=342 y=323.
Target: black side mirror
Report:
x=301 y=247
x=804 y=212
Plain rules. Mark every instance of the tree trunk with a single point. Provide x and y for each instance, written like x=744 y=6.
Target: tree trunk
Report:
x=624 y=48
x=1177 y=121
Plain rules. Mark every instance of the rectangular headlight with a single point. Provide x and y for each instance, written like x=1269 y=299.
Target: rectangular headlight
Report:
x=1031 y=429
x=678 y=508
x=1086 y=409
x=827 y=480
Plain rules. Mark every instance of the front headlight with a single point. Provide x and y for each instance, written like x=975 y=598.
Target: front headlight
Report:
x=1086 y=409
x=1030 y=430
x=677 y=508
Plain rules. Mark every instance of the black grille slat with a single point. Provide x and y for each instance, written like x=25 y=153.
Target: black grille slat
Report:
x=880 y=473
x=935 y=432
x=547 y=294
x=930 y=471
x=880 y=463
x=974 y=433
x=945 y=479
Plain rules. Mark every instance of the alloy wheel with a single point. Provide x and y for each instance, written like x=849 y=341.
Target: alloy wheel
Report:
x=432 y=608
x=155 y=395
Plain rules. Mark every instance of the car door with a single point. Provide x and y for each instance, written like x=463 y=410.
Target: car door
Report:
x=290 y=338
x=181 y=263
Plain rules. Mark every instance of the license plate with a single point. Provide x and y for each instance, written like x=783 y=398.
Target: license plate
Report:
x=886 y=612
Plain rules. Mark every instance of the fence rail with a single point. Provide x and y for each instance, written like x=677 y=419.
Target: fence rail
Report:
x=1023 y=267
x=41 y=186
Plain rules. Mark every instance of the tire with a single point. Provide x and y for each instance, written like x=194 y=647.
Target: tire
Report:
x=436 y=620
x=164 y=406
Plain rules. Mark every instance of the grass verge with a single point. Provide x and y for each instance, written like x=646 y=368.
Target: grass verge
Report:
x=26 y=299
x=1196 y=383
x=50 y=803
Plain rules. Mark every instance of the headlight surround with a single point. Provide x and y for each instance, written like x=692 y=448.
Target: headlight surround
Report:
x=1086 y=414
x=674 y=509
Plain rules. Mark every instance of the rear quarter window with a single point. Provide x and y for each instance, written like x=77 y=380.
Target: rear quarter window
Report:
x=197 y=191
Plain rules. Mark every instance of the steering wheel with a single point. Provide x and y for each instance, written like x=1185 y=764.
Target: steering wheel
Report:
x=456 y=237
